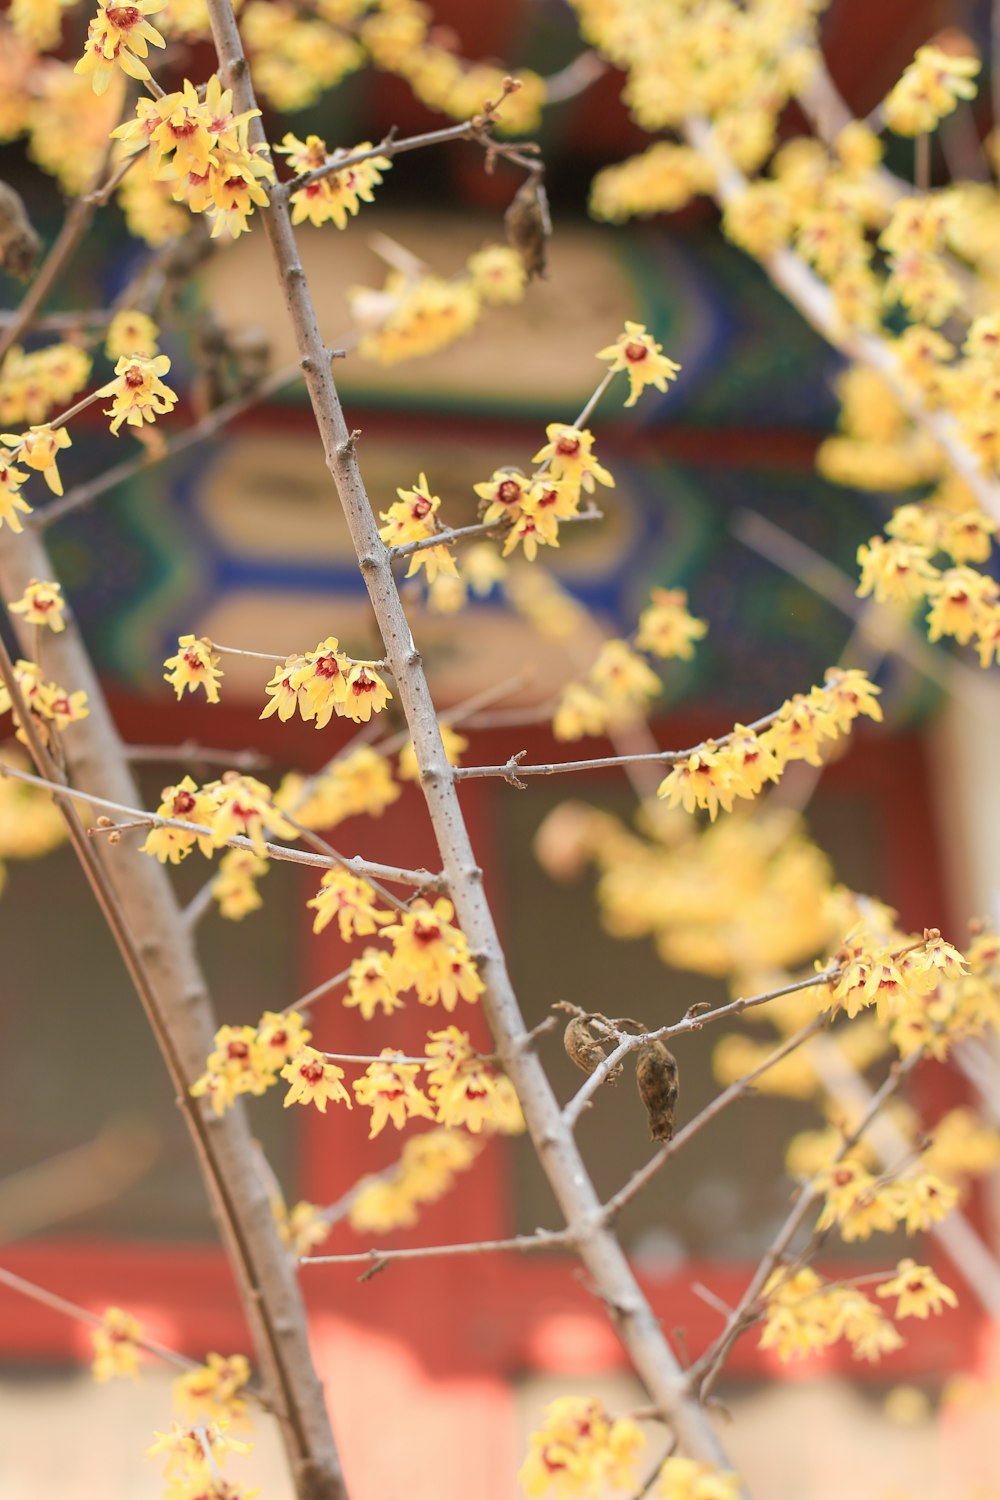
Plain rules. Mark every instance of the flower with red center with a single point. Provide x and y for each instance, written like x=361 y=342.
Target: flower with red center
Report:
x=366 y=694
x=338 y=195
x=313 y=1080
x=411 y=518
x=119 y=34
x=41 y=604
x=195 y=665
x=116 y=1346
x=352 y=901
x=918 y=1290
x=139 y=393
x=389 y=1089
x=321 y=682
x=568 y=455
x=637 y=353
x=11 y=501
x=38 y=448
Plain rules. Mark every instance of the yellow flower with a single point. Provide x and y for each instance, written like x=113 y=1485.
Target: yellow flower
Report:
x=313 y=1080
x=370 y=985
x=242 y=806
x=568 y=454
x=498 y=274
x=320 y=682
x=38 y=448
x=184 y=1447
x=235 y=886
x=666 y=628
x=116 y=1348
x=918 y=1290
x=366 y=694
x=131 y=332
x=388 y=1087
x=195 y=665
x=412 y=517
x=704 y=779
x=690 y=1479
x=580 y=1450
x=337 y=195
x=351 y=900
x=929 y=89
x=210 y=1393
x=11 y=501
x=139 y=393
x=41 y=604
x=119 y=34
x=636 y=352
x=432 y=956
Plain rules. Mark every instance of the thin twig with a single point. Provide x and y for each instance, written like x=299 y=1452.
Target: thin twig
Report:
x=357 y=866
x=542 y=1239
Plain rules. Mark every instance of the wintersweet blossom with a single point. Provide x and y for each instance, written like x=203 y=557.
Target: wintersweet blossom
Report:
x=116 y=1346
x=138 y=393
x=184 y=1448
x=41 y=604
x=12 y=503
x=132 y=332
x=425 y=1171
x=692 y=1479
x=568 y=455
x=370 y=986
x=38 y=448
x=666 y=628
x=352 y=901
x=211 y=1392
x=929 y=89
x=636 y=352
x=313 y=1080
x=917 y=1290
x=337 y=195
x=119 y=34
x=235 y=885
x=580 y=1450
x=194 y=665
x=388 y=1087
x=432 y=956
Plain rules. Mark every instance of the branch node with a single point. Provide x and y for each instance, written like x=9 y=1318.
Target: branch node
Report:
x=347 y=446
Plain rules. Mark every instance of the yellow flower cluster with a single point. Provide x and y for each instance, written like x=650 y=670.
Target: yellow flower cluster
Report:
x=313 y=1080
x=580 y=1450
x=733 y=899
x=929 y=89
x=235 y=886
x=233 y=807
x=211 y=1392
x=296 y=56
x=338 y=195
x=203 y=149
x=425 y=1171
x=248 y=1059
x=116 y=1346
x=413 y=518
x=38 y=22
x=690 y=1479
x=68 y=123
x=739 y=764
x=530 y=508
x=33 y=386
x=465 y=1091
x=195 y=1453
x=861 y=1205
x=805 y=1314
x=51 y=707
x=660 y=180
x=390 y=1090
x=318 y=684
x=358 y=782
